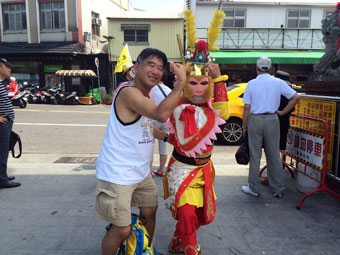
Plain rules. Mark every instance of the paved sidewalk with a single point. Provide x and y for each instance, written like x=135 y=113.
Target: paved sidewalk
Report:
x=51 y=213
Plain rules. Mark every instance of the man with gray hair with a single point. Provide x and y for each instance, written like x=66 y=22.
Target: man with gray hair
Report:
x=260 y=117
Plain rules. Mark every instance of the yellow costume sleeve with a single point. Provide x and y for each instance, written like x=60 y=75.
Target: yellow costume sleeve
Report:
x=224 y=109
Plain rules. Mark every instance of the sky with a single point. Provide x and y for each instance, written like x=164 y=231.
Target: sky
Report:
x=158 y=5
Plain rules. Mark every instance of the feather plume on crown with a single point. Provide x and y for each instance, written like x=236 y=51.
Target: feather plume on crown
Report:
x=199 y=54
x=215 y=30
x=190 y=28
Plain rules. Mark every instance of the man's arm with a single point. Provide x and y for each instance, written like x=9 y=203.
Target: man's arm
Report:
x=246 y=111
x=159 y=134
x=137 y=102
x=291 y=104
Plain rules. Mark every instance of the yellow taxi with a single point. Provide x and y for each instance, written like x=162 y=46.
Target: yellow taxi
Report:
x=232 y=129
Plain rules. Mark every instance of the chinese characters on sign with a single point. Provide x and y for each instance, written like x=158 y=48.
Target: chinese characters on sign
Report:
x=305 y=147
x=320 y=109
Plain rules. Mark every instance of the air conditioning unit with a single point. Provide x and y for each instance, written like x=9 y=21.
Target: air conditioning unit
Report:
x=87 y=36
x=96 y=21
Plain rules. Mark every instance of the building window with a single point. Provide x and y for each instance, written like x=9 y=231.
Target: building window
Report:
x=96 y=23
x=327 y=13
x=137 y=35
x=52 y=16
x=14 y=17
x=298 y=18
x=234 y=18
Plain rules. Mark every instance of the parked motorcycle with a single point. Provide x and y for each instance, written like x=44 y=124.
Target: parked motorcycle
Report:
x=45 y=97
x=19 y=99
x=55 y=95
x=71 y=98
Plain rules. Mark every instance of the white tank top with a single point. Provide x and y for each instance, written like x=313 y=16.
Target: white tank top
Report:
x=127 y=149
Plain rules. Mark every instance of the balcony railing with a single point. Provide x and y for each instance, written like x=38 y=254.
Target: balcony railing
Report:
x=267 y=38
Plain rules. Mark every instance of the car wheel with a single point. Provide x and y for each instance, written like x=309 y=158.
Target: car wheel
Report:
x=231 y=132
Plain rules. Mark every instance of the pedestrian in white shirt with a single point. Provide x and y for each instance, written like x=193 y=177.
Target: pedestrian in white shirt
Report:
x=260 y=117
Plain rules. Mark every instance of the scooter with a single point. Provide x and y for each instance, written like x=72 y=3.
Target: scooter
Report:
x=71 y=98
x=45 y=97
x=55 y=95
x=18 y=99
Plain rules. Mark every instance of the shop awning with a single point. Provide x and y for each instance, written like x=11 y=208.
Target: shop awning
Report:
x=76 y=73
x=277 y=57
x=65 y=48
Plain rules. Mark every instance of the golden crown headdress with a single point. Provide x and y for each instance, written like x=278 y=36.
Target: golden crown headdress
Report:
x=199 y=53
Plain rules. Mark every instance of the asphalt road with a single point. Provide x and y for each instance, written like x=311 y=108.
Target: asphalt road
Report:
x=61 y=129
x=52 y=131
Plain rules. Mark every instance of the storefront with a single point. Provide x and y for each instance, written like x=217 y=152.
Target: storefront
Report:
x=37 y=63
x=240 y=65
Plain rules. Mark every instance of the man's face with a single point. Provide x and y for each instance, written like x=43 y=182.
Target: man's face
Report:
x=5 y=71
x=150 y=71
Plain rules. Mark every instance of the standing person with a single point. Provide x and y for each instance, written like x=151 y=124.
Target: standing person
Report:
x=158 y=94
x=188 y=182
x=284 y=120
x=6 y=124
x=123 y=165
x=13 y=87
x=128 y=74
x=260 y=117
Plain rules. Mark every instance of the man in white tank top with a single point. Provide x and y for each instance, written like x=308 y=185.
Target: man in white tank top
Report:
x=123 y=165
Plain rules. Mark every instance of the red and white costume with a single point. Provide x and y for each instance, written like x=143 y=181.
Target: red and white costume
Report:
x=189 y=179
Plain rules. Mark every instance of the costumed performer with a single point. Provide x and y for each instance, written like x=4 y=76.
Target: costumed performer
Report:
x=188 y=182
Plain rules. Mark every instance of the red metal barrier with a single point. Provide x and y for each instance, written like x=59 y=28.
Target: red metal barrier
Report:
x=290 y=166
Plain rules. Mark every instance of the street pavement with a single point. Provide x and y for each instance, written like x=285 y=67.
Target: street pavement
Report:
x=52 y=212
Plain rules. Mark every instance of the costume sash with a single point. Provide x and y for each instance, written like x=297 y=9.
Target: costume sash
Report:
x=209 y=200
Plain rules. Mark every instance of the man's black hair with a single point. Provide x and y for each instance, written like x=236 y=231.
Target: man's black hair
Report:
x=168 y=77
x=147 y=52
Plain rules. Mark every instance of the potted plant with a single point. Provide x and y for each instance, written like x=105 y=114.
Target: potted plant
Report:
x=108 y=99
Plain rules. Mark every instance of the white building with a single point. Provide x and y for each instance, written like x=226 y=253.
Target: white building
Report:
x=290 y=29
x=40 y=37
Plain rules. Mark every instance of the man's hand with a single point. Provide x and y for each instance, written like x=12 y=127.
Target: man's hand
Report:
x=245 y=116
x=3 y=119
x=214 y=70
x=290 y=106
x=244 y=130
x=280 y=113
x=180 y=71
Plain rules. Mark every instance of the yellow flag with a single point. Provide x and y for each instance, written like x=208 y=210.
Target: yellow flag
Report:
x=123 y=59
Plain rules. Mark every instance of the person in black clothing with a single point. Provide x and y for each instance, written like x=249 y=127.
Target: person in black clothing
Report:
x=284 y=120
x=6 y=124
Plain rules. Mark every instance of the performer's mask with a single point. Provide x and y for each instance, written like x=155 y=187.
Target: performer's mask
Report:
x=199 y=86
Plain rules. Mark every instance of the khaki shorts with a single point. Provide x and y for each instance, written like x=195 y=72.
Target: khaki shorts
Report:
x=114 y=201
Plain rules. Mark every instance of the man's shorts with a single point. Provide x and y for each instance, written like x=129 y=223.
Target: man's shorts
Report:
x=114 y=201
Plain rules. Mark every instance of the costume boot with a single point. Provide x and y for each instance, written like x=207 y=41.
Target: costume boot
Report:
x=186 y=245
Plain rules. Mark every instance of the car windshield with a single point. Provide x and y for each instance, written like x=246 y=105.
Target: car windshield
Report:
x=232 y=87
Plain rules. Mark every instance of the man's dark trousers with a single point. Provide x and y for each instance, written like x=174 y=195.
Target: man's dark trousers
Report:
x=5 y=132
